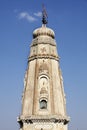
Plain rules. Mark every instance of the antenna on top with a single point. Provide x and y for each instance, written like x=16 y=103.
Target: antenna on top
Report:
x=44 y=15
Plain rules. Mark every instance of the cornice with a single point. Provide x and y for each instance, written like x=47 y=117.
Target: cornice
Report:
x=35 y=44
x=43 y=41
x=45 y=56
x=41 y=119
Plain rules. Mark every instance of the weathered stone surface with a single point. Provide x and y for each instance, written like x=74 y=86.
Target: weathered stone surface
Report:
x=43 y=100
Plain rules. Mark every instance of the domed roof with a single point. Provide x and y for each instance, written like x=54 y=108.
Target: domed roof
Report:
x=43 y=31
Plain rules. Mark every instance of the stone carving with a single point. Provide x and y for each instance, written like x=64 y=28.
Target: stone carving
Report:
x=43 y=126
x=42 y=120
x=43 y=91
x=43 y=68
x=43 y=50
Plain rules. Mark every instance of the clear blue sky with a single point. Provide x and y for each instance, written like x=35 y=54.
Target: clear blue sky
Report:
x=18 y=19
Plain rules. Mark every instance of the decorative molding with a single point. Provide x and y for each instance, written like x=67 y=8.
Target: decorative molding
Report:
x=35 y=44
x=45 y=56
x=31 y=120
x=43 y=74
x=43 y=126
x=42 y=41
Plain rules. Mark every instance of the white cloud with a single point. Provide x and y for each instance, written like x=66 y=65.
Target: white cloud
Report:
x=38 y=14
x=27 y=16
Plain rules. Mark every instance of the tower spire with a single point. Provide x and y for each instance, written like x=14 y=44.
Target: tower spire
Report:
x=44 y=15
x=43 y=100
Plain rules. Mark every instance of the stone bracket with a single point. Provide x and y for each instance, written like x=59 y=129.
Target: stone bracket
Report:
x=34 y=120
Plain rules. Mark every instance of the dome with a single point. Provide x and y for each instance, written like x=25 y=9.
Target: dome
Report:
x=43 y=31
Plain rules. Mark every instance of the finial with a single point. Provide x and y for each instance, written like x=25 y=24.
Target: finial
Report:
x=44 y=15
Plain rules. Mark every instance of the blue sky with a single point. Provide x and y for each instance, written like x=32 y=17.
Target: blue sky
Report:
x=18 y=19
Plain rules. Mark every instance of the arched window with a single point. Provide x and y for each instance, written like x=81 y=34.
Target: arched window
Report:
x=43 y=104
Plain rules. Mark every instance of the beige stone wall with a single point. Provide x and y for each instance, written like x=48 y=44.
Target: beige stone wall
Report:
x=45 y=126
x=48 y=68
x=57 y=89
x=27 y=104
x=43 y=81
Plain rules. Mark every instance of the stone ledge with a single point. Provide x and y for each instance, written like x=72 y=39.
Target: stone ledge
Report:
x=35 y=44
x=43 y=56
x=40 y=119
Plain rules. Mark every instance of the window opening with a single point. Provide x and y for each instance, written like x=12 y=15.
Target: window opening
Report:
x=43 y=104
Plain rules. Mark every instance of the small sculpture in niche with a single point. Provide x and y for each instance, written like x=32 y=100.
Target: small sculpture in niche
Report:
x=43 y=91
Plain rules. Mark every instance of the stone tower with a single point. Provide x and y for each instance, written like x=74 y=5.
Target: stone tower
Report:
x=43 y=100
